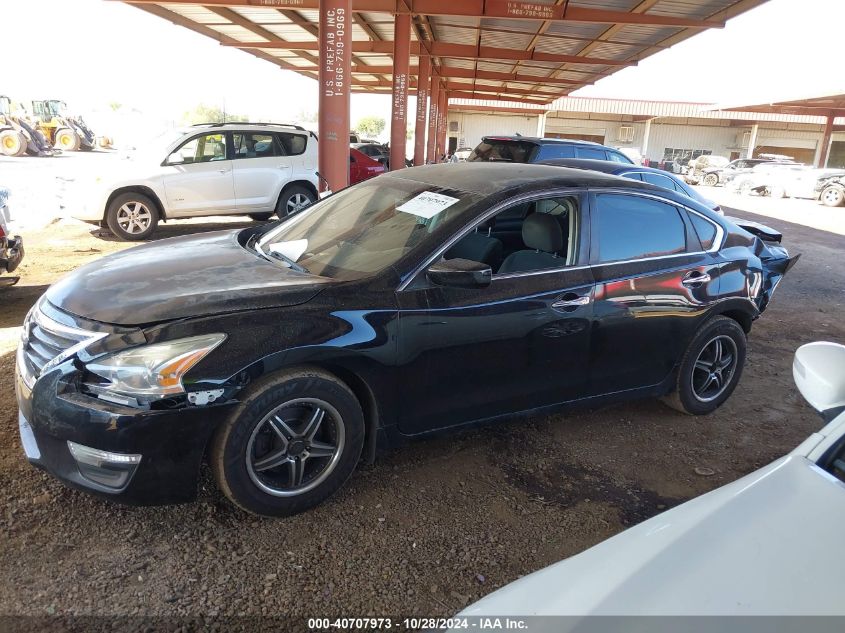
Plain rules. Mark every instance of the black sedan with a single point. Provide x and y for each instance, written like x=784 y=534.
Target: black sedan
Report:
x=659 y=177
x=425 y=299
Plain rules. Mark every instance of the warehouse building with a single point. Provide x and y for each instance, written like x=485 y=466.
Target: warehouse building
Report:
x=656 y=129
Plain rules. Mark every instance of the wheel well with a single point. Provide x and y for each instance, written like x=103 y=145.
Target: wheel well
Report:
x=302 y=183
x=368 y=404
x=136 y=189
x=743 y=318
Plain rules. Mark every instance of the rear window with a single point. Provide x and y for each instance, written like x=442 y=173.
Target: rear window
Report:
x=705 y=229
x=504 y=150
x=293 y=144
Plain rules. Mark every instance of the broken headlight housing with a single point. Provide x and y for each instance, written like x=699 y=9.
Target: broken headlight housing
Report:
x=153 y=371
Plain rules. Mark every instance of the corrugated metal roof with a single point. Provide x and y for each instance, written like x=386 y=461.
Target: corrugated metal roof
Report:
x=568 y=36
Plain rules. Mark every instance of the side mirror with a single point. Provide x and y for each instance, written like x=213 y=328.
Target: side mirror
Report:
x=460 y=273
x=819 y=374
x=175 y=159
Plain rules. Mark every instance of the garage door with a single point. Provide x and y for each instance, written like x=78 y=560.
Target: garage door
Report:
x=596 y=138
x=800 y=154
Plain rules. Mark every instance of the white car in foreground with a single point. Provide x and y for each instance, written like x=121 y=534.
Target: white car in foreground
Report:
x=254 y=169
x=770 y=543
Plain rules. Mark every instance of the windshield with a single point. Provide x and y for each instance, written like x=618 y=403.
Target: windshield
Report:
x=366 y=228
x=504 y=150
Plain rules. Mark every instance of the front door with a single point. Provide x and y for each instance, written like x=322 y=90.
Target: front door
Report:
x=519 y=344
x=203 y=183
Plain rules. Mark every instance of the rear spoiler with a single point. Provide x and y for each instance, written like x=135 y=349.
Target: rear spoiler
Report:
x=765 y=233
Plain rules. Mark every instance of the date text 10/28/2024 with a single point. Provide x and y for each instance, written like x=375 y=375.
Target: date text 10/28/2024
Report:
x=417 y=624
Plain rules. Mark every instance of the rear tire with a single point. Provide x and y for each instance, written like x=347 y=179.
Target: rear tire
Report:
x=833 y=196
x=711 y=180
x=293 y=200
x=67 y=140
x=12 y=143
x=710 y=369
x=132 y=217
x=263 y=458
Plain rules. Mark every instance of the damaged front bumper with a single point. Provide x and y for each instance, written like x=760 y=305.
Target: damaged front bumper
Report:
x=11 y=253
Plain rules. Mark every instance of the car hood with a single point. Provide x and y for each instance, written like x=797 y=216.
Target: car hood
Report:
x=177 y=278
x=767 y=544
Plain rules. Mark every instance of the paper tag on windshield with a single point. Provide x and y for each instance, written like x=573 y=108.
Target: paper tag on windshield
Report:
x=428 y=204
x=293 y=249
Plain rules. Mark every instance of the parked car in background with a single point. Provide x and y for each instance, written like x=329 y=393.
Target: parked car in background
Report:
x=830 y=190
x=745 y=549
x=712 y=176
x=11 y=246
x=657 y=177
x=375 y=151
x=779 y=180
x=277 y=351
x=362 y=167
x=209 y=169
x=460 y=155
x=526 y=149
x=696 y=167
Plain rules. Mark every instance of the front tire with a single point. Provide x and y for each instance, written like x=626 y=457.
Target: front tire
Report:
x=833 y=196
x=67 y=140
x=132 y=216
x=293 y=200
x=710 y=369
x=293 y=441
x=711 y=180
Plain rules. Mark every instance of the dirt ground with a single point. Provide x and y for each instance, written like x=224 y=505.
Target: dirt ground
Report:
x=427 y=529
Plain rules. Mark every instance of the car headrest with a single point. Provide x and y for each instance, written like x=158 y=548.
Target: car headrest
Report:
x=542 y=232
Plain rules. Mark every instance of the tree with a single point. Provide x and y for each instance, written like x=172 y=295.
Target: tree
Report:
x=370 y=126
x=210 y=114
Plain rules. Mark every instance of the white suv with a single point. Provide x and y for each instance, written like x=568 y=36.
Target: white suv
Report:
x=254 y=169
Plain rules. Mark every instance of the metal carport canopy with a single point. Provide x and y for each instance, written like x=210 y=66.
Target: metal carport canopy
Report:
x=507 y=50
x=830 y=105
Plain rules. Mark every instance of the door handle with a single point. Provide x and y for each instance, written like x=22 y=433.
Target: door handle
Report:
x=695 y=278
x=573 y=302
x=223 y=171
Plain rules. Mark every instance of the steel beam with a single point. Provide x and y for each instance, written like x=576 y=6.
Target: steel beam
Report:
x=513 y=9
x=434 y=102
x=399 y=102
x=442 y=49
x=423 y=85
x=441 y=124
x=458 y=73
x=824 y=148
x=335 y=89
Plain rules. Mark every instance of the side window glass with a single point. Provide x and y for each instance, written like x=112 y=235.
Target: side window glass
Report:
x=292 y=144
x=632 y=227
x=591 y=152
x=705 y=229
x=204 y=149
x=525 y=237
x=618 y=158
x=660 y=181
x=555 y=150
x=254 y=145
x=633 y=175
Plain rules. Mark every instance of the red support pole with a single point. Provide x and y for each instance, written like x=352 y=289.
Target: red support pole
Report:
x=441 y=125
x=399 y=108
x=825 y=146
x=423 y=82
x=434 y=100
x=335 y=88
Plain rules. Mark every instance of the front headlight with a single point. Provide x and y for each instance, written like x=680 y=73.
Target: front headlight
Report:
x=153 y=371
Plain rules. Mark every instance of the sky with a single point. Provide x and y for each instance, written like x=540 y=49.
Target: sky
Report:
x=119 y=54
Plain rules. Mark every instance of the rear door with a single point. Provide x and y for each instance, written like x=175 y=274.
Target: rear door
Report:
x=261 y=169
x=654 y=284
x=202 y=184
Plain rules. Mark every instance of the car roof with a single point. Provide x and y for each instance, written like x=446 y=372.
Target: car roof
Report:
x=604 y=166
x=540 y=141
